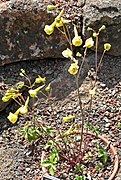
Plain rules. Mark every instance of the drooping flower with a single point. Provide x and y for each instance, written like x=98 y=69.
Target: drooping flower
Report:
x=107 y=46
x=73 y=69
x=40 y=79
x=89 y=43
x=76 y=41
x=33 y=92
x=49 y=29
x=13 y=116
x=6 y=98
x=48 y=88
x=67 y=53
x=62 y=22
x=24 y=109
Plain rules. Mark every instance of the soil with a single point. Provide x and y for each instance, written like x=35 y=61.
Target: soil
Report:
x=20 y=160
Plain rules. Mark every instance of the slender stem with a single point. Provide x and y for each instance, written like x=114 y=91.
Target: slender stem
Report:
x=98 y=67
x=82 y=113
x=67 y=35
x=83 y=60
x=96 y=52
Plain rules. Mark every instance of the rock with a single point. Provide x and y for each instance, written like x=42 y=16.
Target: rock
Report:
x=107 y=12
x=22 y=35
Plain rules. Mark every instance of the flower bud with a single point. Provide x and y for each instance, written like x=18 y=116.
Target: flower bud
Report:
x=107 y=46
x=48 y=88
x=102 y=28
x=78 y=54
x=95 y=34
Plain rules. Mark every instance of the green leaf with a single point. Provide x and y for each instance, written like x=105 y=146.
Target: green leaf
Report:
x=51 y=171
x=105 y=157
x=46 y=163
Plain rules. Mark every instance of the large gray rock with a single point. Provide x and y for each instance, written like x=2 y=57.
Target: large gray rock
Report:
x=22 y=35
x=107 y=12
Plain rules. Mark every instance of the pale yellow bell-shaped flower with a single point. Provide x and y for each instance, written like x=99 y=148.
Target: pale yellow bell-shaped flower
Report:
x=67 y=53
x=48 y=88
x=33 y=92
x=89 y=43
x=73 y=69
x=107 y=46
x=76 y=41
x=49 y=29
x=24 y=109
x=13 y=116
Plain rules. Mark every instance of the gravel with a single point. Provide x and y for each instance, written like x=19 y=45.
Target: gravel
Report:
x=20 y=160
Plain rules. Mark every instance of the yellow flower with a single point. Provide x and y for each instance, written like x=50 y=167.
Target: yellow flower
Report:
x=6 y=98
x=77 y=41
x=78 y=54
x=107 y=46
x=49 y=29
x=62 y=22
x=40 y=79
x=69 y=131
x=89 y=43
x=13 y=116
x=73 y=69
x=68 y=118
x=33 y=92
x=24 y=109
x=67 y=53
x=58 y=18
x=48 y=88
x=92 y=92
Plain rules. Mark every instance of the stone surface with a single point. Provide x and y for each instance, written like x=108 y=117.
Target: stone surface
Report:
x=107 y=12
x=22 y=35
